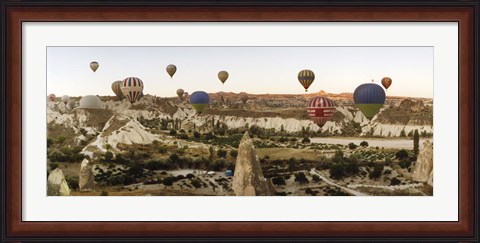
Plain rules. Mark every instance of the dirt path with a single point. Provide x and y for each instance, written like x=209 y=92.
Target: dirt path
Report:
x=328 y=181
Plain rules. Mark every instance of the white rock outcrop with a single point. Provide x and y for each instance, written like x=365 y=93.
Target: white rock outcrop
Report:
x=86 y=181
x=56 y=184
x=424 y=165
x=248 y=179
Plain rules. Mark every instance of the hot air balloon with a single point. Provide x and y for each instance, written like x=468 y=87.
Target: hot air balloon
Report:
x=132 y=88
x=321 y=109
x=94 y=66
x=306 y=77
x=223 y=76
x=199 y=100
x=369 y=98
x=52 y=97
x=180 y=93
x=65 y=99
x=171 y=69
x=386 y=82
x=117 y=89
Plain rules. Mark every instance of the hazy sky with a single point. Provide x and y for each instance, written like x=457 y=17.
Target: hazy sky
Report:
x=255 y=70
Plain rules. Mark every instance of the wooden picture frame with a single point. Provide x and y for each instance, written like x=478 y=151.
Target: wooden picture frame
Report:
x=15 y=12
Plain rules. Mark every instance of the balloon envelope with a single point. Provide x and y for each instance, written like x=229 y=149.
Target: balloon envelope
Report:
x=132 y=88
x=321 y=109
x=52 y=97
x=171 y=70
x=369 y=98
x=94 y=66
x=199 y=100
x=223 y=76
x=180 y=93
x=386 y=82
x=306 y=77
x=117 y=89
x=65 y=99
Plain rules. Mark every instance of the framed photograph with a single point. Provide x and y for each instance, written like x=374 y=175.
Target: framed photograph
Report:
x=256 y=120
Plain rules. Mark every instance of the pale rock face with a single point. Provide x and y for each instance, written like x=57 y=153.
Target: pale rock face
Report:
x=424 y=166
x=430 y=179
x=56 y=184
x=248 y=179
x=86 y=180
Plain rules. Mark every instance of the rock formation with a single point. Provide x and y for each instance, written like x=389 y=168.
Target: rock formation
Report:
x=248 y=179
x=56 y=184
x=86 y=180
x=424 y=166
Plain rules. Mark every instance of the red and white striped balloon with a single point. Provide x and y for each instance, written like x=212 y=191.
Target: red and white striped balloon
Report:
x=132 y=87
x=321 y=109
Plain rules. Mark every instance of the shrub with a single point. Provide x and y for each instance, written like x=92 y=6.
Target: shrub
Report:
x=104 y=193
x=352 y=146
x=364 y=144
x=108 y=156
x=162 y=149
x=306 y=140
x=401 y=154
x=394 y=181
x=173 y=132
x=222 y=153
x=405 y=163
x=53 y=166
x=278 y=181
x=72 y=182
x=301 y=178
x=316 y=178
x=234 y=153
x=377 y=171
x=196 y=134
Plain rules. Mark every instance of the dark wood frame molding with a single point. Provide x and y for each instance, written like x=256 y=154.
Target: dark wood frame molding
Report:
x=13 y=13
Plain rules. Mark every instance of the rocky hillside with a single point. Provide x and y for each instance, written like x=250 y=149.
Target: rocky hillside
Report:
x=152 y=118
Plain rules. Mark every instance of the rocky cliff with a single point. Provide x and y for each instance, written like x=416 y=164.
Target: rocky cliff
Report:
x=423 y=171
x=248 y=179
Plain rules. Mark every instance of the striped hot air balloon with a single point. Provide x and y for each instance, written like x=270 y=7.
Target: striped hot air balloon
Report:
x=117 y=89
x=306 y=77
x=132 y=88
x=321 y=109
x=386 y=82
x=199 y=100
x=369 y=98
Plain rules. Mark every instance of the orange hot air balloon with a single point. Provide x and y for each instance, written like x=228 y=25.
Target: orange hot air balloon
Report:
x=386 y=82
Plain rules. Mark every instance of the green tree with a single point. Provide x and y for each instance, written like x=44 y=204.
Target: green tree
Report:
x=352 y=146
x=108 y=156
x=301 y=178
x=416 y=138
x=401 y=154
x=222 y=153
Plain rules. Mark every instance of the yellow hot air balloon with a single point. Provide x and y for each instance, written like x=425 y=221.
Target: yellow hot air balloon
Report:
x=117 y=89
x=94 y=66
x=171 y=70
x=223 y=76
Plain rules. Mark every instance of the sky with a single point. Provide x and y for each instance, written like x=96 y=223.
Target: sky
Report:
x=256 y=70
